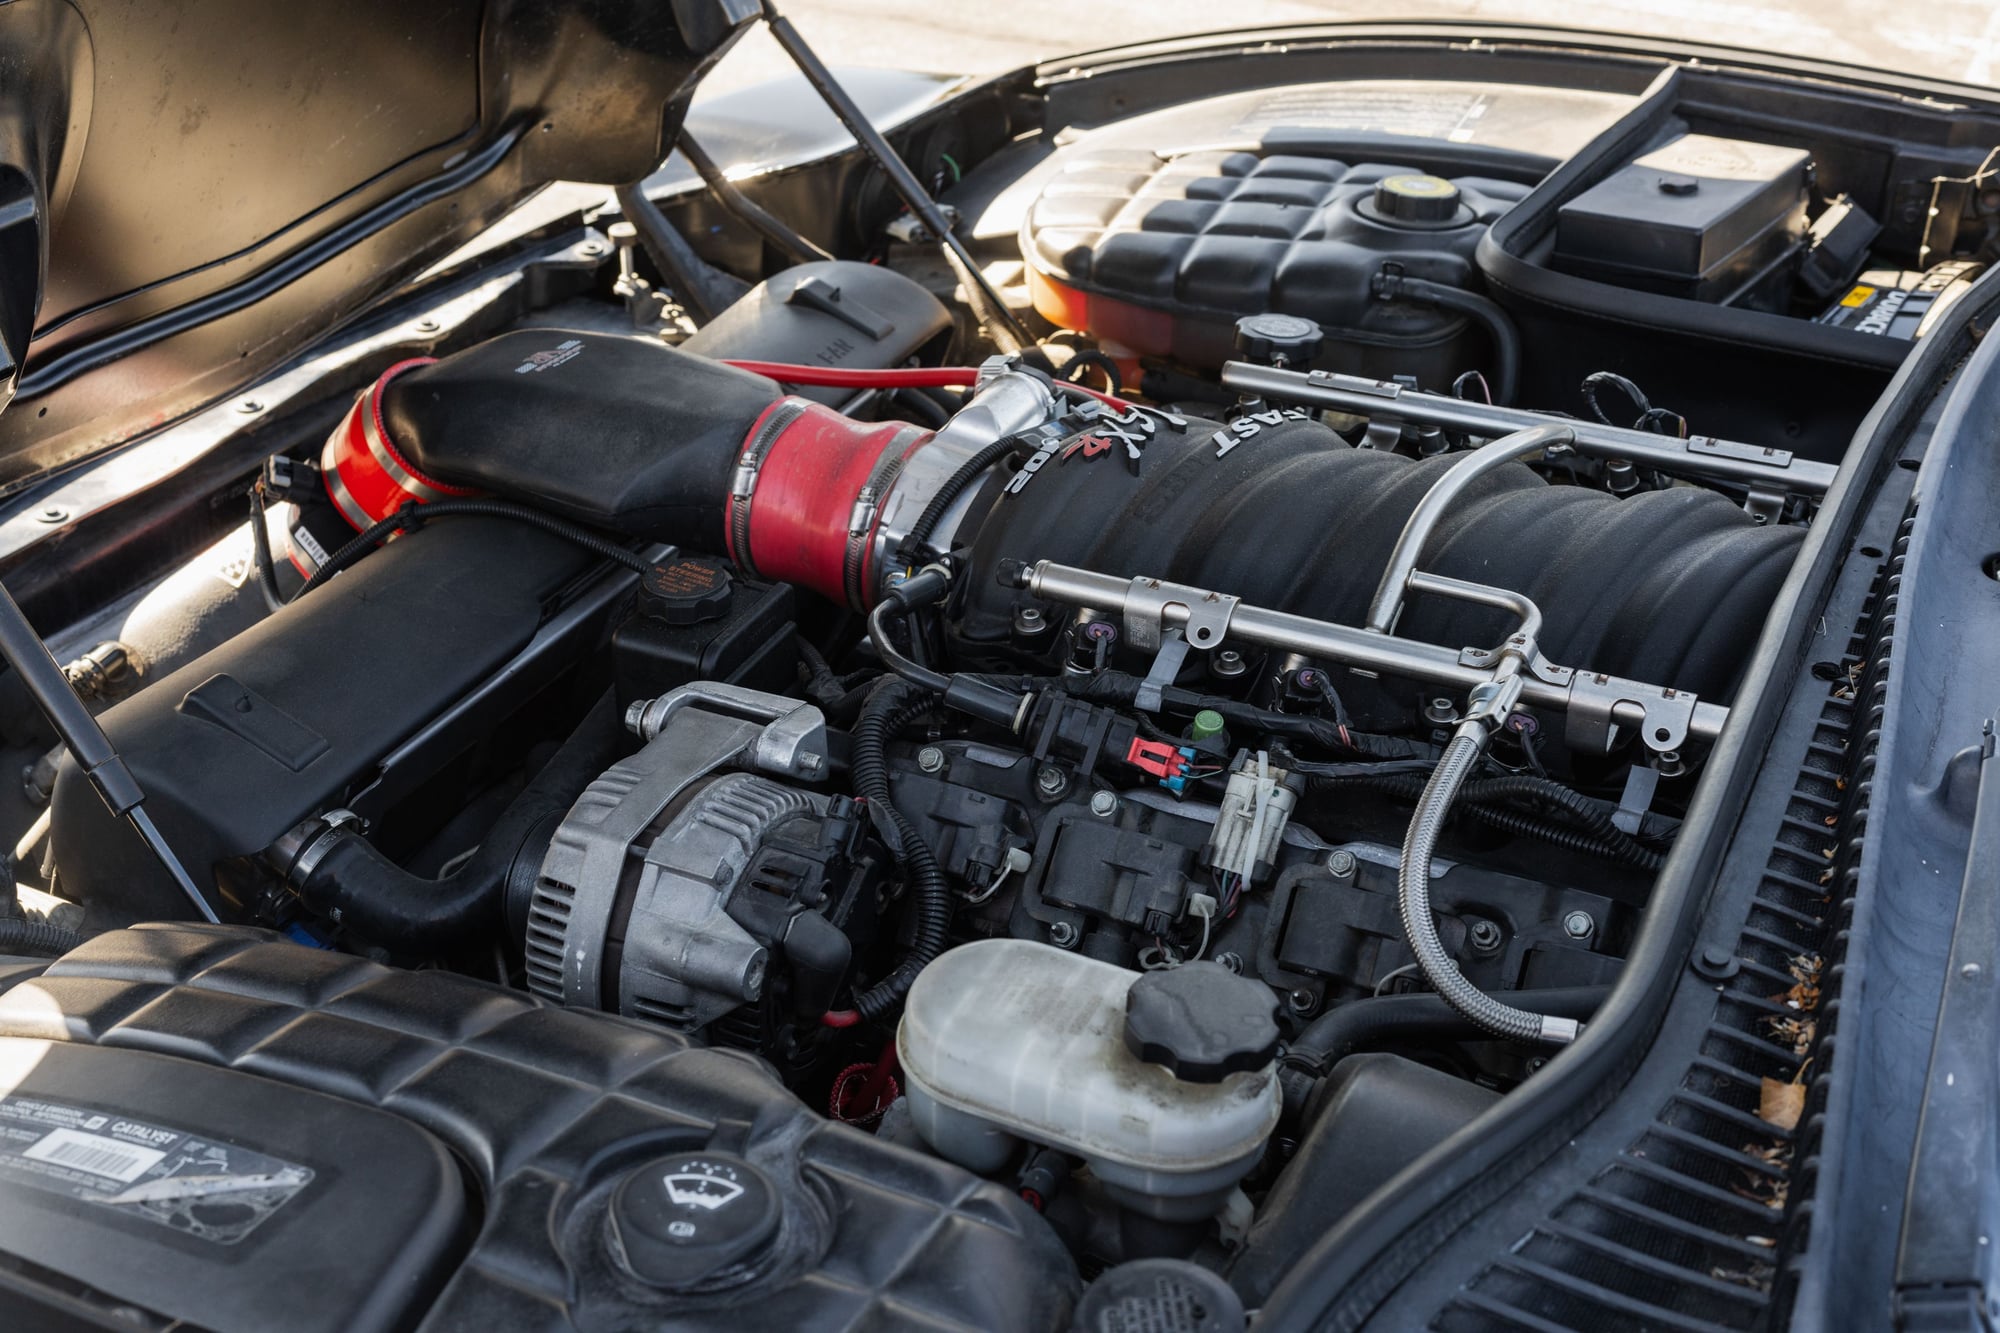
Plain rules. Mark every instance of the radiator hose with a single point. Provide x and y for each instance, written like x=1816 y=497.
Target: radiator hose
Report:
x=349 y=881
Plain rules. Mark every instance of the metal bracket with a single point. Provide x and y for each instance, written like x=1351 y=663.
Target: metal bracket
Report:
x=1166 y=666
x=1599 y=705
x=1749 y=453
x=1146 y=622
x=793 y=744
x=1764 y=505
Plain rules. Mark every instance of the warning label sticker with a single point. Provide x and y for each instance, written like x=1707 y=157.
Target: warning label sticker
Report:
x=217 y=1191
x=1426 y=113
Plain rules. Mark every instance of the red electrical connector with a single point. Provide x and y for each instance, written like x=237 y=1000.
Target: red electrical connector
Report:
x=1160 y=758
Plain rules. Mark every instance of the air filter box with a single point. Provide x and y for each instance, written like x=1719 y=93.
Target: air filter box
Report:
x=1702 y=218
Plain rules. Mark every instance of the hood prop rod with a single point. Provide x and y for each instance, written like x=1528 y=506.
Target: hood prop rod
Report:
x=1006 y=330
x=23 y=650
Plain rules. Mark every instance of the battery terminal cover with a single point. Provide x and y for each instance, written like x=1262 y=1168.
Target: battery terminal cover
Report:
x=1700 y=217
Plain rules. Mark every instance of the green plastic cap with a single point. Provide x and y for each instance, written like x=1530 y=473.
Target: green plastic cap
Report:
x=1207 y=723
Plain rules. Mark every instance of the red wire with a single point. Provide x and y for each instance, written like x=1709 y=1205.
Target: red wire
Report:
x=839 y=1018
x=921 y=377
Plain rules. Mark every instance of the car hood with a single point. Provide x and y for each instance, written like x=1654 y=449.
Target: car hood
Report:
x=191 y=192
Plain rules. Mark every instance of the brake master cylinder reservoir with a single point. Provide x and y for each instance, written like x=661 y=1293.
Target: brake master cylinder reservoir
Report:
x=1162 y=1082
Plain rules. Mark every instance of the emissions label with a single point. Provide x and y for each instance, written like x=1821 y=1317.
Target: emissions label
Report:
x=206 y=1188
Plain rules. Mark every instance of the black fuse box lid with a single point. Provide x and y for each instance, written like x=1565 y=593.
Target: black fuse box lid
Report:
x=1687 y=212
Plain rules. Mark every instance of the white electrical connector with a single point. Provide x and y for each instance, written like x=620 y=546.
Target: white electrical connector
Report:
x=1202 y=905
x=1256 y=806
x=1015 y=861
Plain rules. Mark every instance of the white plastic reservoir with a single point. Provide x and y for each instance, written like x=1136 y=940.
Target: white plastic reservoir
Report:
x=1010 y=1040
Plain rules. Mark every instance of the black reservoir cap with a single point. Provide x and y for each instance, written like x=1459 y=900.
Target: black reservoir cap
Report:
x=1202 y=1021
x=686 y=592
x=683 y=1219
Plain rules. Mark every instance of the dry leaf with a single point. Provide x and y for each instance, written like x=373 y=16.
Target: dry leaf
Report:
x=1780 y=1104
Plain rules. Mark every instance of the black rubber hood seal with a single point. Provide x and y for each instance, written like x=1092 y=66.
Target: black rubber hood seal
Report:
x=191 y=193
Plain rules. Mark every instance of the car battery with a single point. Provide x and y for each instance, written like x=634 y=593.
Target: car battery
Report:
x=1901 y=303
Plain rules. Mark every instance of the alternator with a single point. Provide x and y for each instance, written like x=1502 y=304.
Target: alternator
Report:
x=666 y=889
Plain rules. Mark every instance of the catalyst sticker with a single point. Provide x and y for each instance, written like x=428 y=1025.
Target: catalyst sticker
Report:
x=216 y=1191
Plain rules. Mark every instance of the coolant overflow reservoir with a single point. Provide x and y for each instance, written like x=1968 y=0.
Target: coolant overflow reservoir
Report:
x=1009 y=1040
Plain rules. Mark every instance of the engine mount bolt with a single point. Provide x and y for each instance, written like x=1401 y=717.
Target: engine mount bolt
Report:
x=1063 y=934
x=1579 y=925
x=1484 y=936
x=930 y=759
x=1232 y=961
x=1341 y=865
x=1302 y=1002
x=1051 y=782
x=1104 y=804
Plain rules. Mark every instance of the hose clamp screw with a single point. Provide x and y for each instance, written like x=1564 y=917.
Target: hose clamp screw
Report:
x=930 y=759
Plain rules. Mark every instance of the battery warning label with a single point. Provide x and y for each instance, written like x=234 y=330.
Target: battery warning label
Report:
x=217 y=1191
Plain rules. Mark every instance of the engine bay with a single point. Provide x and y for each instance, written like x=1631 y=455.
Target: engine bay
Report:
x=1177 y=770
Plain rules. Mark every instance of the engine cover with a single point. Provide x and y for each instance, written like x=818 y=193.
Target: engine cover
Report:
x=557 y=1122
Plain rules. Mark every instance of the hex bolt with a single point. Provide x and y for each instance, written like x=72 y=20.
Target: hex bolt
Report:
x=1579 y=925
x=1232 y=961
x=1229 y=663
x=1441 y=712
x=930 y=759
x=1342 y=865
x=1302 y=1002
x=1062 y=934
x=1029 y=621
x=1051 y=782
x=1483 y=935
x=1104 y=804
